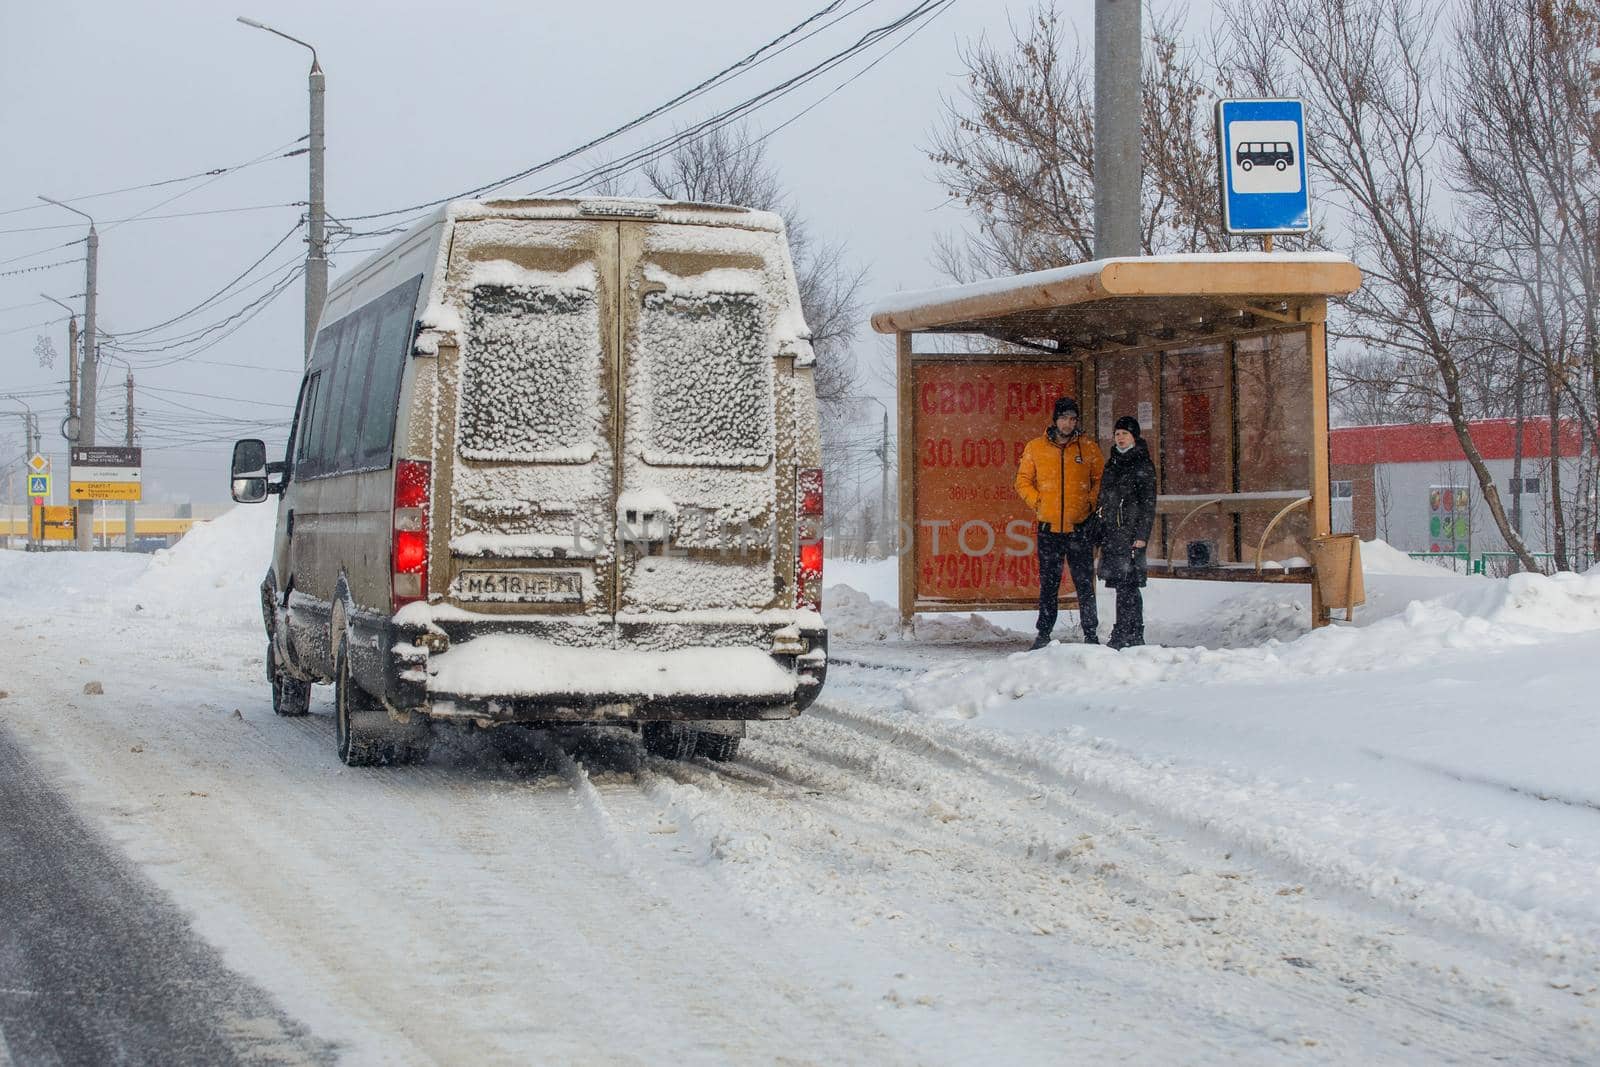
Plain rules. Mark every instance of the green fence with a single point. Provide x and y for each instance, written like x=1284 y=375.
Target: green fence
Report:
x=1492 y=564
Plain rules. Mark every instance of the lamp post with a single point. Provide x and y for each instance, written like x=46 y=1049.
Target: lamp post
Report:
x=316 y=214
x=883 y=460
x=30 y=445
x=69 y=428
x=87 y=380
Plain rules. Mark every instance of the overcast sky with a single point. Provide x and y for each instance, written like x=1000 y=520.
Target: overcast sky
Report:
x=424 y=100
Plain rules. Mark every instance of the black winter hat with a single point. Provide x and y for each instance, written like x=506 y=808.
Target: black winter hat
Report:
x=1064 y=406
x=1129 y=423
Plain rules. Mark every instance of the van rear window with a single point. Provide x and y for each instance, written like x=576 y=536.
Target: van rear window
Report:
x=709 y=378
x=530 y=379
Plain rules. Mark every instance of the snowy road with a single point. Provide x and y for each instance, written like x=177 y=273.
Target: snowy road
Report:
x=862 y=885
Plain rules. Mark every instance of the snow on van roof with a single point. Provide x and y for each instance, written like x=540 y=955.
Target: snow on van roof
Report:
x=678 y=212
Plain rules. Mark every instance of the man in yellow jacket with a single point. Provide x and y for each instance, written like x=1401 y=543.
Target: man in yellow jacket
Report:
x=1059 y=477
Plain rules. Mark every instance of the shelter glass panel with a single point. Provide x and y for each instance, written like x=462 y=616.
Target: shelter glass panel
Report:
x=1196 y=451
x=1126 y=385
x=1272 y=375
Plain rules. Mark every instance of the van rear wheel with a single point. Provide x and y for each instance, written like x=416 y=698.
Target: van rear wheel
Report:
x=290 y=696
x=669 y=740
x=365 y=734
x=719 y=747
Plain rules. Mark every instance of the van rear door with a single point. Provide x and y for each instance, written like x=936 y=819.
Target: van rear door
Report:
x=615 y=422
x=698 y=462
x=532 y=419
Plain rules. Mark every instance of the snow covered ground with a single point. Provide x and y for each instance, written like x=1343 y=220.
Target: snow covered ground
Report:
x=1252 y=844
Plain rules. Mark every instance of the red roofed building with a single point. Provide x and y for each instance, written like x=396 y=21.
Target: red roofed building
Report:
x=1410 y=484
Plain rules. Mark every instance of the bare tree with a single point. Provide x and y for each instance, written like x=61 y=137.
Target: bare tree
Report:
x=729 y=166
x=1017 y=149
x=1520 y=102
x=1366 y=70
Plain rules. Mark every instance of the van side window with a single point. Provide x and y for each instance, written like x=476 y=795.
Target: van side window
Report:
x=303 y=420
x=358 y=363
x=396 y=312
x=334 y=402
x=312 y=460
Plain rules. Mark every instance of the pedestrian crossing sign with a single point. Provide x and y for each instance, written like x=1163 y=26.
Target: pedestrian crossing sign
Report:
x=38 y=485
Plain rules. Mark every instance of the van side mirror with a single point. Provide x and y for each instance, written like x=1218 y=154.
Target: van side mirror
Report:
x=249 y=471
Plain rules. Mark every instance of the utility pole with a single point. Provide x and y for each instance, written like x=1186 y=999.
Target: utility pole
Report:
x=127 y=515
x=87 y=382
x=1117 y=113
x=316 y=214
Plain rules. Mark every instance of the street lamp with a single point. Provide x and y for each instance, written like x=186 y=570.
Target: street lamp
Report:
x=87 y=381
x=316 y=214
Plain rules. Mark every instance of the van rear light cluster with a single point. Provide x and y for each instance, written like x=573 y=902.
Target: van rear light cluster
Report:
x=808 y=539
x=410 y=570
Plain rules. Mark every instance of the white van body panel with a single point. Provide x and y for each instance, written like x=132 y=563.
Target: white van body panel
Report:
x=614 y=398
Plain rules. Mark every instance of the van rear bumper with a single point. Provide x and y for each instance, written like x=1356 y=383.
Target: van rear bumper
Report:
x=542 y=671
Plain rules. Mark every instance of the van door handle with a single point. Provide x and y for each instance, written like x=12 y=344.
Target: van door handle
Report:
x=289 y=525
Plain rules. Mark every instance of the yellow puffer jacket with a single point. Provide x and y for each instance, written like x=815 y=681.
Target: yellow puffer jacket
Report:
x=1061 y=482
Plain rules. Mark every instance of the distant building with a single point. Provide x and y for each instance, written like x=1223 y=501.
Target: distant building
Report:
x=1411 y=485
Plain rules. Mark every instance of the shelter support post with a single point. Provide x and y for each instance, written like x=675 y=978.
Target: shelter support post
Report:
x=906 y=537
x=1321 y=507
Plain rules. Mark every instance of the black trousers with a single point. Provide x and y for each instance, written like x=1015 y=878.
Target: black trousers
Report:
x=1078 y=554
x=1130 y=614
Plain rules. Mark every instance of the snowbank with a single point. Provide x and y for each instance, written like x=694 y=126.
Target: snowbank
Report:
x=855 y=617
x=210 y=578
x=1525 y=609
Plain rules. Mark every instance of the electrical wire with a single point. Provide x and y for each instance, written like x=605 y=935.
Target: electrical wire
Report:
x=642 y=157
x=624 y=128
x=42 y=251
x=159 y=346
x=216 y=295
x=141 y=217
x=42 y=266
x=213 y=172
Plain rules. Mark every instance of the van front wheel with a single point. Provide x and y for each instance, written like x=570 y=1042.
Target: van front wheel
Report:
x=290 y=696
x=365 y=734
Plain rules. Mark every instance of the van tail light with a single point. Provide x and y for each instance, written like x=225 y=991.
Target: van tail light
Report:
x=410 y=571
x=808 y=539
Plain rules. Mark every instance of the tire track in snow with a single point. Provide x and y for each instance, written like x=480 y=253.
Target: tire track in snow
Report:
x=1127 y=889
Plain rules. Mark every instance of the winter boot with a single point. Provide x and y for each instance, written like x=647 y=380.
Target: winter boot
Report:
x=1039 y=642
x=1090 y=637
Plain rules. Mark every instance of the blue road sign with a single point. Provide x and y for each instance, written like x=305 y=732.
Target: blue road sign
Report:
x=1261 y=151
x=38 y=485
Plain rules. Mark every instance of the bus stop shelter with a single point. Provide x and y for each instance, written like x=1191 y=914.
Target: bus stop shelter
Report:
x=1221 y=357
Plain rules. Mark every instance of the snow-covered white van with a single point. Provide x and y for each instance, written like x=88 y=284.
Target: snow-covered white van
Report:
x=553 y=461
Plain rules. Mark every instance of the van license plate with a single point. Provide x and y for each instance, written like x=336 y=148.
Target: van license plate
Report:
x=512 y=587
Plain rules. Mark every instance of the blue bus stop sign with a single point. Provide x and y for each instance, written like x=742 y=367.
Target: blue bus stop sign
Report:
x=1261 y=151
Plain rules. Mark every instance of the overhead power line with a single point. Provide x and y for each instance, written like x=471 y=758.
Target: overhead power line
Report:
x=927 y=9
x=202 y=305
x=42 y=266
x=624 y=128
x=159 y=218
x=214 y=172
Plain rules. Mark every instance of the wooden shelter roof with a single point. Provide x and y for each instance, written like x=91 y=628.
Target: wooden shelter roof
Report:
x=1134 y=302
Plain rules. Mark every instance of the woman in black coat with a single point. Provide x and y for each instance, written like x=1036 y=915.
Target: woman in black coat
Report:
x=1127 y=511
